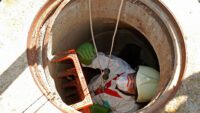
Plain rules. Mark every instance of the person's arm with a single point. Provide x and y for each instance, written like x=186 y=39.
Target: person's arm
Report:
x=86 y=53
x=88 y=58
x=98 y=62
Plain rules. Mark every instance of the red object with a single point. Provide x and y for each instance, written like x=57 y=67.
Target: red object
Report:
x=79 y=82
x=128 y=81
x=108 y=91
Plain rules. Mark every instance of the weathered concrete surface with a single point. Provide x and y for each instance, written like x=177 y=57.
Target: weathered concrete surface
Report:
x=18 y=90
x=187 y=99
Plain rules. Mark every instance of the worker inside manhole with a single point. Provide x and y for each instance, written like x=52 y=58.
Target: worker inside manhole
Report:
x=130 y=80
x=121 y=78
x=120 y=88
x=123 y=81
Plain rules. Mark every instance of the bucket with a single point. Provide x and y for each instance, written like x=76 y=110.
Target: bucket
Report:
x=64 y=24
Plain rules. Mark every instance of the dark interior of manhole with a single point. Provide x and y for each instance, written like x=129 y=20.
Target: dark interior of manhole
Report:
x=130 y=45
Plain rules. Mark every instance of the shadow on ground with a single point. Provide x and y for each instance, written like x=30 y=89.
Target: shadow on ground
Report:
x=187 y=98
x=13 y=71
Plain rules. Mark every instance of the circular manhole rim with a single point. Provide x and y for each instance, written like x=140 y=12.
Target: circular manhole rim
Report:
x=32 y=47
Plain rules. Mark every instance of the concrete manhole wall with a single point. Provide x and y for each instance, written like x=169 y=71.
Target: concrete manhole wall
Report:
x=60 y=26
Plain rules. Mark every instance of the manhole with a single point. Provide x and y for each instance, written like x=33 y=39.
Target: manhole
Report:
x=64 y=25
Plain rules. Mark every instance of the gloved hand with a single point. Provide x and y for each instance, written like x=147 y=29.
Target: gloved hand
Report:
x=97 y=108
x=86 y=53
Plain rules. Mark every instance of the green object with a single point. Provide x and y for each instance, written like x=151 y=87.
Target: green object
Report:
x=96 y=108
x=147 y=80
x=86 y=53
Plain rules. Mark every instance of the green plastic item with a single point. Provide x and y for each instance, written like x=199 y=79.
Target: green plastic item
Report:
x=86 y=53
x=96 y=108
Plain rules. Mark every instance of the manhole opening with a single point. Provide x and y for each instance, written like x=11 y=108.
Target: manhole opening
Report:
x=157 y=34
x=130 y=45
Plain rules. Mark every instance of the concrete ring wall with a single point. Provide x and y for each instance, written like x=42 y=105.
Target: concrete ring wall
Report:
x=150 y=18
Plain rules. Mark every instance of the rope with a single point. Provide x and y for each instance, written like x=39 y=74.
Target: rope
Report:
x=92 y=33
x=32 y=103
x=116 y=26
x=113 y=38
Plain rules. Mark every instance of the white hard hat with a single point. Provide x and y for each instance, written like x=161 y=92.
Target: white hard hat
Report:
x=147 y=80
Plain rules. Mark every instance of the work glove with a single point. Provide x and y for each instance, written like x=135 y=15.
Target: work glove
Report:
x=86 y=53
x=97 y=108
